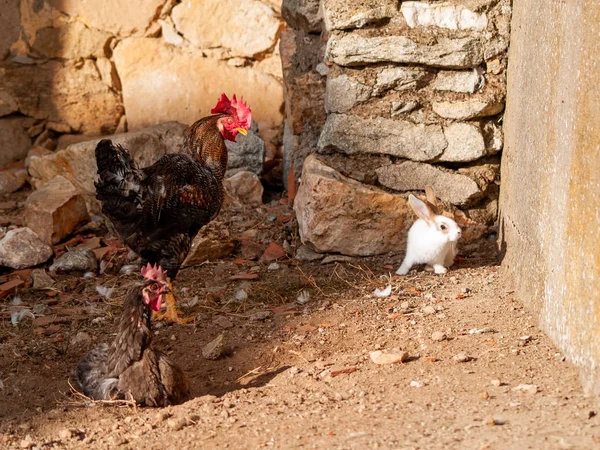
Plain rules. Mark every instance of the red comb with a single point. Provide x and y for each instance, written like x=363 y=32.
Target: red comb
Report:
x=155 y=273
x=239 y=109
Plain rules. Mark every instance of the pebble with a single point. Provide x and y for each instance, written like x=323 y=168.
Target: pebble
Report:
x=223 y=322
x=273 y=266
x=493 y=421
x=26 y=444
x=461 y=358
x=528 y=388
x=429 y=310
x=405 y=305
x=417 y=384
x=496 y=382
x=439 y=336
x=388 y=356
x=176 y=423
x=260 y=315
x=65 y=434
x=484 y=395
x=525 y=338
x=214 y=349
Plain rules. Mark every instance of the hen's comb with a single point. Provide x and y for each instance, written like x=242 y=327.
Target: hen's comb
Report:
x=154 y=273
x=237 y=108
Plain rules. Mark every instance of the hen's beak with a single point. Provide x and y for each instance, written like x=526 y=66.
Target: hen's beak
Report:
x=242 y=131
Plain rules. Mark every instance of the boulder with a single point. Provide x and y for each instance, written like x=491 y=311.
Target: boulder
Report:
x=70 y=41
x=342 y=93
x=346 y=14
x=260 y=25
x=14 y=140
x=115 y=16
x=302 y=15
x=12 y=181
x=459 y=80
x=185 y=85
x=465 y=143
x=473 y=108
x=71 y=94
x=22 y=248
x=352 y=50
x=351 y=134
x=411 y=176
x=77 y=162
x=243 y=189
x=442 y=15
x=337 y=214
x=248 y=153
x=54 y=211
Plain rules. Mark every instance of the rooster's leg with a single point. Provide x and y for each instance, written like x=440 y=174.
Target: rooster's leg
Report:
x=171 y=314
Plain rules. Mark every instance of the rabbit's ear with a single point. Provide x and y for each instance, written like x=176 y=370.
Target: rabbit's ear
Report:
x=431 y=200
x=421 y=209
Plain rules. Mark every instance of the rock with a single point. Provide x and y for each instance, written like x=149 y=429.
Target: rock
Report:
x=210 y=244
x=82 y=259
x=388 y=356
x=71 y=40
x=337 y=258
x=259 y=316
x=527 y=388
x=429 y=310
x=467 y=109
x=302 y=15
x=41 y=280
x=81 y=339
x=273 y=266
x=467 y=82
x=78 y=163
x=223 y=322
x=113 y=16
x=342 y=93
x=248 y=153
x=11 y=182
x=493 y=136
x=496 y=382
x=438 y=336
x=304 y=253
x=352 y=134
x=461 y=358
x=170 y=34
x=14 y=140
x=214 y=349
x=260 y=24
x=24 y=443
x=93 y=110
x=243 y=189
x=65 y=434
x=417 y=384
x=353 y=50
x=11 y=26
x=339 y=215
x=34 y=153
x=442 y=15
x=8 y=104
x=177 y=423
x=272 y=253
x=465 y=143
x=410 y=176
x=343 y=14
x=398 y=78
x=55 y=210
x=110 y=78
x=403 y=107
x=198 y=84
x=22 y=248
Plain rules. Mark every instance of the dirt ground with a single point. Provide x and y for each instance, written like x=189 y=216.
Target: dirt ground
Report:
x=298 y=373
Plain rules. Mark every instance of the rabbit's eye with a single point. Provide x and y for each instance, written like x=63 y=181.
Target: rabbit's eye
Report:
x=443 y=227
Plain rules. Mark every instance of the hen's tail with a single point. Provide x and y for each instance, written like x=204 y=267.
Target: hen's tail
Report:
x=119 y=181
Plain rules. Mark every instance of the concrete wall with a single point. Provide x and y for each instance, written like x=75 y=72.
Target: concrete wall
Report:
x=550 y=196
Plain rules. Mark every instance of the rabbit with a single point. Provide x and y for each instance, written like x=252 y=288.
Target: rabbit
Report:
x=432 y=239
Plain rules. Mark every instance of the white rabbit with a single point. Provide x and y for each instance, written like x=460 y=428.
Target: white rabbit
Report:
x=432 y=239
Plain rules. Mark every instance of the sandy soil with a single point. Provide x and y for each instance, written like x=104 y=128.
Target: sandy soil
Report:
x=300 y=375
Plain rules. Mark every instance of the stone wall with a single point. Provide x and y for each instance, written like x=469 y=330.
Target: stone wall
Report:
x=399 y=94
x=550 y=198
x=71 y=68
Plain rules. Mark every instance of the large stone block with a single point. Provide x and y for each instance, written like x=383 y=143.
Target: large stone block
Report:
x=458 y=81
x=71 y=41
x=465 y=143
x=352 y=134
x=353 y=50
x=124 y=18
x=342 y=93
x=443 y=15
x=184 y=85
x=77 y=162
x=337 y=214
x=346 y=14
x=14 y=140
x=70 y=94
x=54 y=211
x=411 y=176
x=260 y=25
x=472 y=108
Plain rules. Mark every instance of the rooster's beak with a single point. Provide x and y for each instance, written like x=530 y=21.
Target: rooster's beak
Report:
x=242 y=131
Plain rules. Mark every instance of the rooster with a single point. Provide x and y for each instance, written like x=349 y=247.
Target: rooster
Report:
x=158 y=210
x=130 y=367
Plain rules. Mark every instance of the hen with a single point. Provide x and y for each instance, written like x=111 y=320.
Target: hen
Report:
x=130 y=366
x=158 y=210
